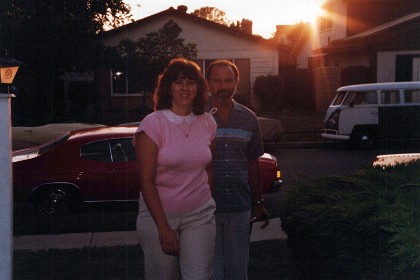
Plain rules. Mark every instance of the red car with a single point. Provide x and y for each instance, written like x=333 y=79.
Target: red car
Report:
x=90 y=165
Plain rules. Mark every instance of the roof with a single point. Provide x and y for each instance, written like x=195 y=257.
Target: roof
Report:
x=10 y=61
x=383 y=28
x=360 y=38
x=198 y=20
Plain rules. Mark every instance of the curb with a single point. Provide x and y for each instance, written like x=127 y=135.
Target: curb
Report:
x=74 y=240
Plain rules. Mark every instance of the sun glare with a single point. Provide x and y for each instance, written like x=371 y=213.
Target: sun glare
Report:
x=313 y=11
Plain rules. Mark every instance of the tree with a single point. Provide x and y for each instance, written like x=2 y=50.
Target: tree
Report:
x=52 y=37
x=145 y=59
x=158 y=48
x=212 y=14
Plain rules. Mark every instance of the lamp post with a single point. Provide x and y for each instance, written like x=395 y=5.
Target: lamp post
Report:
x=8 y=68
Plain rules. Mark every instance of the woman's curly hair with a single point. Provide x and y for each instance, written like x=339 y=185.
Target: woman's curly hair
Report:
x=180 y=67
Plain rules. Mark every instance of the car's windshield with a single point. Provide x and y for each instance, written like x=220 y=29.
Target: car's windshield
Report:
x=50 y=145
x=339 y=98
x=360 y=97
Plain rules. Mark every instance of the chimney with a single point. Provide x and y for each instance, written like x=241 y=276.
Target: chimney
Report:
x=246 y=26
x=182 y=9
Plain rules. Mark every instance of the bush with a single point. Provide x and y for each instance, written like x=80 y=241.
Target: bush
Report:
x=361 y=226
x=269 y=90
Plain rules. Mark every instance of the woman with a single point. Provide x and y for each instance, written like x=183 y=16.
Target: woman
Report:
x=175 y=224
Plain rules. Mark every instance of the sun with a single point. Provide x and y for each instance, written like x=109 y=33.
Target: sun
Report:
x=313 y=10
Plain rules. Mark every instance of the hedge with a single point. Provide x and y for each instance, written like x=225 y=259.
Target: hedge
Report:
x=362 y=226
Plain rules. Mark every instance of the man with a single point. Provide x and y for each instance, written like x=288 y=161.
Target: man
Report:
x=237 y=186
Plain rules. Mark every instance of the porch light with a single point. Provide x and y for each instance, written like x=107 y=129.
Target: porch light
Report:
x=8 y=69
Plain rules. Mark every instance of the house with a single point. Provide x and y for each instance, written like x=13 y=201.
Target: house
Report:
x=361 y=41
x=254 y=55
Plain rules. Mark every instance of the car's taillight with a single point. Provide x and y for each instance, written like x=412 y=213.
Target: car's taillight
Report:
x=332 y=122
x=278 y=175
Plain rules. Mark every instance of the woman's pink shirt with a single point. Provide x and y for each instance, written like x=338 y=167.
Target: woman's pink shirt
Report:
x=183 y=154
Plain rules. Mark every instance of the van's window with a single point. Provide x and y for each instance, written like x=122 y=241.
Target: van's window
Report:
x=390 y=97
x=412 y=96
x=349 y=98
x=360 y=97
x=339 y=98
x=371 y=97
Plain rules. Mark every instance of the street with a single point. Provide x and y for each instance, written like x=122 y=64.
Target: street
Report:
x=296 y=164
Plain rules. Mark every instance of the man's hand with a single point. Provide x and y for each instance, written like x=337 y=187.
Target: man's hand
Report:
x=261 y=214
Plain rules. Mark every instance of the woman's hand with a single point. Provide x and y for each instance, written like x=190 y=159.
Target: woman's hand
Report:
x=146 y=158
x=169 y=241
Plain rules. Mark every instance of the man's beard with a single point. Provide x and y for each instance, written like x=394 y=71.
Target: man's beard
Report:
x=223 y=95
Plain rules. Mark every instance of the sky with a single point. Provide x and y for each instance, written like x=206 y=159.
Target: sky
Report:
x=265 y=14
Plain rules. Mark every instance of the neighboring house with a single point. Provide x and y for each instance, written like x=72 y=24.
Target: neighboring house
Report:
x=254 y=55
x=361 y=41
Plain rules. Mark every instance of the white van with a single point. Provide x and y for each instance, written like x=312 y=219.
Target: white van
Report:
x=367 y=113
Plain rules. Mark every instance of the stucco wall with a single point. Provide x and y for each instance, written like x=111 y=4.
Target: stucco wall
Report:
x=387 y=65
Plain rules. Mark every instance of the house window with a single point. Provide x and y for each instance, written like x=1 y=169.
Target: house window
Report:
x=325 y=21
x=122 y=84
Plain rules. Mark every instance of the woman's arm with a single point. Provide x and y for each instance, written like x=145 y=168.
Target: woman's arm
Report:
x=209 y=168
x=146 y=159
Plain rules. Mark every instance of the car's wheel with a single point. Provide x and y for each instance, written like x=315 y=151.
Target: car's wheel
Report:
x=54 y=201
x=365 y=138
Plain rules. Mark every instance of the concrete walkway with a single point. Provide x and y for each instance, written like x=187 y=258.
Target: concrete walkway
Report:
x=118 y=238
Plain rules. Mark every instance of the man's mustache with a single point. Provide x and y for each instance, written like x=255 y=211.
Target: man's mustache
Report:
x=222 y=91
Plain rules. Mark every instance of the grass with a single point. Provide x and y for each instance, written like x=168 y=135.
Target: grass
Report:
x=269 y=259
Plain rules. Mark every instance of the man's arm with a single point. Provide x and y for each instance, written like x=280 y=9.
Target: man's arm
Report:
x=255 y=183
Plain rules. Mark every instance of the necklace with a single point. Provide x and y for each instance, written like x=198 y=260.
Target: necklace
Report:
x=185 y=133
x=182 y=122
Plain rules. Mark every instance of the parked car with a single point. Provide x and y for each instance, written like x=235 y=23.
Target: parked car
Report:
x=90 y=165
x=29 y=136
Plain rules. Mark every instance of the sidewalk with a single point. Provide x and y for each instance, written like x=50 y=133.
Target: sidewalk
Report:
x=118 y=238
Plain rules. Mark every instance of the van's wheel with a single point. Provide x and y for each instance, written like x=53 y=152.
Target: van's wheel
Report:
x=365 y=138
x=54 y=201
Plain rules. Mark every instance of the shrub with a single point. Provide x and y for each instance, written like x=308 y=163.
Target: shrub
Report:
x=361 y=226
